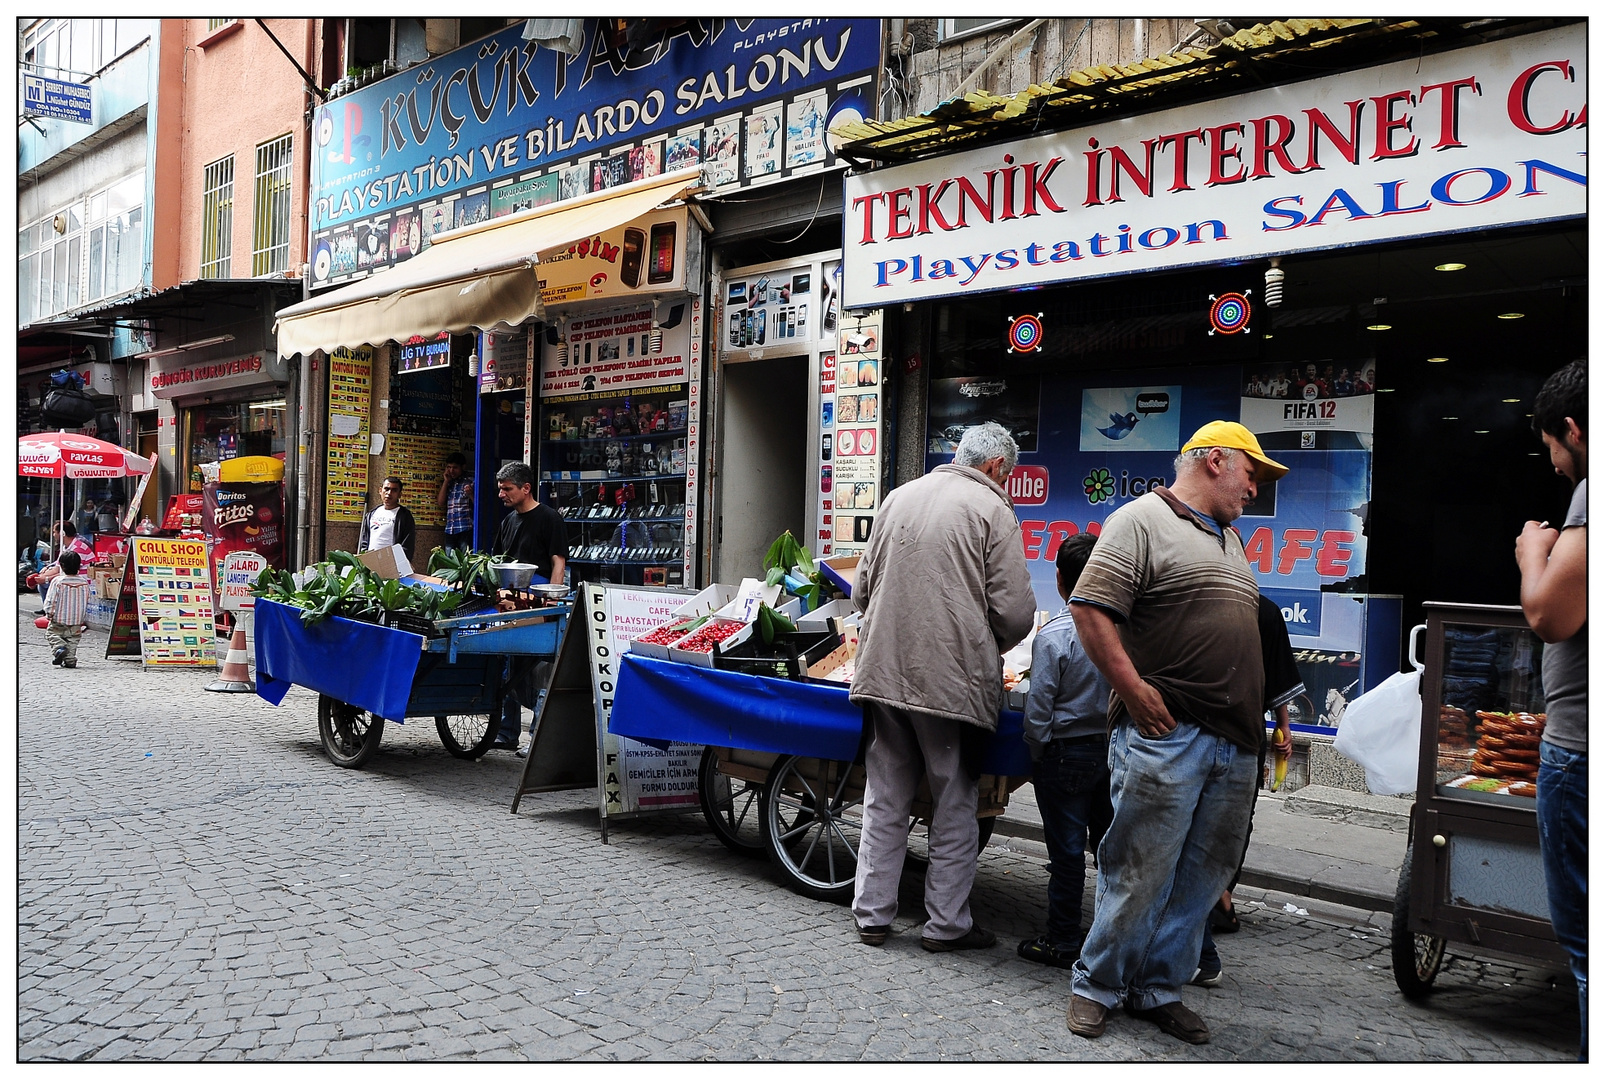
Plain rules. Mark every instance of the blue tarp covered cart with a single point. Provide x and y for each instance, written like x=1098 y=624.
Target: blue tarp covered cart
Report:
x=365 y=674
x=783 y=770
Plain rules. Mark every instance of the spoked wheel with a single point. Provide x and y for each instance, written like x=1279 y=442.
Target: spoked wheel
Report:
x=350 y=735
x=919 y=839
x=468 y=735
x=732 y=806
x=812 y=825
x=1416 y=957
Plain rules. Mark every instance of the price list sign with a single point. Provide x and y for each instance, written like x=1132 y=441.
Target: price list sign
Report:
x=350 y=396
x=173 y=580
x=418 y=461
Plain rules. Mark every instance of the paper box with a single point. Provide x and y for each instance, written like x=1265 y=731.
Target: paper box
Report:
x=749 y=594
x=705 y=659
x=819 y=618
x=710 y=599
x=661 y=651
x=108 y=584
x=841 y=572
x=388 y=562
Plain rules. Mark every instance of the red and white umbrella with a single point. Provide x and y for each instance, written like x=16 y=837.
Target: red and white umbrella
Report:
x=70 y=456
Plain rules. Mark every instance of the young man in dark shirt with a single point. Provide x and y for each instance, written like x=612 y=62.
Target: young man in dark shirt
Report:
x=532 y=533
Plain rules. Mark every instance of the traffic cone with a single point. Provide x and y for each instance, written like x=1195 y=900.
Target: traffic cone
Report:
x=235 y=677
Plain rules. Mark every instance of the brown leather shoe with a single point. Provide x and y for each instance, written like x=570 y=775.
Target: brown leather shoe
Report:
x=1176 y=1019
x=1086 y=1017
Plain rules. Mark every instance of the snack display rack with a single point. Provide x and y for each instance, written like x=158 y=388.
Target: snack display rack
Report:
x=1472 y=873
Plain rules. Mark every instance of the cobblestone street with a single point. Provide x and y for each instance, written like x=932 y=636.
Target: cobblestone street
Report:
x=198 y=882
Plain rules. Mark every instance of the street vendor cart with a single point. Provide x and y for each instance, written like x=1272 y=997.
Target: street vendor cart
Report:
x=782 y=773
x=1472 y=873
x=366 y=674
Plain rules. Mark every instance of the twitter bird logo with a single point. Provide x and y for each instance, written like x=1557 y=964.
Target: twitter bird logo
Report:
x=1119 y=426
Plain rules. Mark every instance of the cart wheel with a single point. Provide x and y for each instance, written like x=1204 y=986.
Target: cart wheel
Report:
x=350 y=735
x=468 y=735
x=1416 y=957
x=732 y=806
x=806 y=828
x=919 y=839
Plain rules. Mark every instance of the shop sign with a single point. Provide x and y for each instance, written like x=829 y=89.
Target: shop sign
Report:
x=502 y=125
x=770 y=310
x=419 y=354
x=174 y=580
x=169 y=378
x=237 y=578
x=346 y=468
x=648 y=255
x=1462 y=141
x=618 y=351
x=246 y=518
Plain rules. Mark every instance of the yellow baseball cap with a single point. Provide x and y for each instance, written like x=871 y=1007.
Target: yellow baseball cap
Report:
x=1234 y=436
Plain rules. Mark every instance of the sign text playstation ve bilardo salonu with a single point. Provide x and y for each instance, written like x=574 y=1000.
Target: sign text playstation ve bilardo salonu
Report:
x=1461 y=141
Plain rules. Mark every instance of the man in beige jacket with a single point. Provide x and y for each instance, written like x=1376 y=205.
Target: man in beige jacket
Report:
x=945 y=592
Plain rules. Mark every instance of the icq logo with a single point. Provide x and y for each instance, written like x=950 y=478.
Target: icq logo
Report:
x=1099 y=485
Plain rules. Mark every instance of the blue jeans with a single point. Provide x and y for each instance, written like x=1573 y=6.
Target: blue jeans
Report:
x=1071 y=781
x=1181 y=806
x=1563 y=843
x=512 y=718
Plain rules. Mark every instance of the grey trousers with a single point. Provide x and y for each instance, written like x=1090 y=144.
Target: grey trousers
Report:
x=904 y=745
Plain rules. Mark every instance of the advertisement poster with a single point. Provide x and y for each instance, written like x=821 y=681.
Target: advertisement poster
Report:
x=958 y=404
x=1103 y=443
x=753 y=94
x=769 y=309
x=350 y=397
x=244 y=517
x=503 y=360
x=418 y=462
x=851 y=417
x=646 y=255
x=614 y=351
x=636 y=778
x=174 y=582
x=236 y=578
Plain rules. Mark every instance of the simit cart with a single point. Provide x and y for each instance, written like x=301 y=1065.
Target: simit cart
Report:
x=365 y=673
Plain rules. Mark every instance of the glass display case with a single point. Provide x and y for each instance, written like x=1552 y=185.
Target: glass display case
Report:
x=614 y=465
x=1472 y=872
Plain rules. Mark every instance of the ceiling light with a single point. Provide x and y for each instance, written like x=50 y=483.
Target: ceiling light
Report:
x=1480 y=431
x=1386 y=326
x=1269 y=336
x=1513 y=315
x=1451 y=418
x=1510 y=400
x=1384 y=390
x=1450 y=266
x=1437 y=359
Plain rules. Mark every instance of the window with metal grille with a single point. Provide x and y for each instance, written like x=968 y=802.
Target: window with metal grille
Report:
x=214 y=24
x=217 y=218
x=270 y=236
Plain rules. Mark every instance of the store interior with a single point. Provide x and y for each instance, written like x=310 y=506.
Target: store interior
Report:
x=764 y=461
x=1462 y=332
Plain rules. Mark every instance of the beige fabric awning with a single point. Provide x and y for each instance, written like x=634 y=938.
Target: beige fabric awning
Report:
x=477 y=277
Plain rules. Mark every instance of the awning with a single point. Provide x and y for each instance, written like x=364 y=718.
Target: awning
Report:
x=477 y=277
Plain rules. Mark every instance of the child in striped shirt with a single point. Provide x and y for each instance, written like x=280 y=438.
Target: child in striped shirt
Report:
x=65 y=604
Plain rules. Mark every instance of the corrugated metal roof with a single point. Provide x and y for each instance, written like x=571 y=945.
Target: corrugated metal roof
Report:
x=1273 y=52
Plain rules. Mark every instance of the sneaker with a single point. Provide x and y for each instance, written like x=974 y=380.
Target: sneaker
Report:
x=873 y=935
x=59 y=655
x=977 y=938
x=500 y=744
x=1043 y=951
x=1209 y=977
x=69 y=663
x=522 y=751
x=1175 y=1019
x=1086 y=1017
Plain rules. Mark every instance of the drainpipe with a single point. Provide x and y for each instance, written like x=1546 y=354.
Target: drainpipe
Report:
x=303 y=369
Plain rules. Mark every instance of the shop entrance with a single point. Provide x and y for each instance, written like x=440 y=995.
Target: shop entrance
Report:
x=763 y=465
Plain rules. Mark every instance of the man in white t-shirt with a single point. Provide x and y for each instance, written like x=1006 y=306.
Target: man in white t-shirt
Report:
x=389 y=524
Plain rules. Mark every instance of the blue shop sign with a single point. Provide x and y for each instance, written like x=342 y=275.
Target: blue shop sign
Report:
x=57 y=98
x=503 y=125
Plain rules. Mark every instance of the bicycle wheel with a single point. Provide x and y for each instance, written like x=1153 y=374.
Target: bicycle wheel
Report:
x=350 y=735
x=732 y=806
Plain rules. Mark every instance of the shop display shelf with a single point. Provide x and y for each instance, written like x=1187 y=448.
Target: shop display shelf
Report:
x=651 y=435
x=583 y=475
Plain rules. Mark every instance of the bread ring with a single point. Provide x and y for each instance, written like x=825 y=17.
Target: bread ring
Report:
x=1528 y=756
x=1484 y=769
x=1522 y=741
x=1490 y=741
x=1523 y=788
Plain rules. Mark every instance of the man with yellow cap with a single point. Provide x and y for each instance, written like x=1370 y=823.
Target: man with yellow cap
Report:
x=1168 y=610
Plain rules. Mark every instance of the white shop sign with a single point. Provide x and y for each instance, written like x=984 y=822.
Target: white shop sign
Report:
x=1465 y=140
x=240 y=571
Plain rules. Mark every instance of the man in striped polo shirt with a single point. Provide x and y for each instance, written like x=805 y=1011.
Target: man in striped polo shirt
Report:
x=1168 y=610
x=65 y=605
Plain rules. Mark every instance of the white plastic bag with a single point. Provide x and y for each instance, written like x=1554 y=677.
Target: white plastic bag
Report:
x=1381 y=731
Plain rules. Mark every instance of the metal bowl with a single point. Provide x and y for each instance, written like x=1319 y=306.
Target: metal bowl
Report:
x=514 y=575
x=550 y=592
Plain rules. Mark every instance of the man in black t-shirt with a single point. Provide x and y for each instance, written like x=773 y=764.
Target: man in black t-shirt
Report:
x=532 y=533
